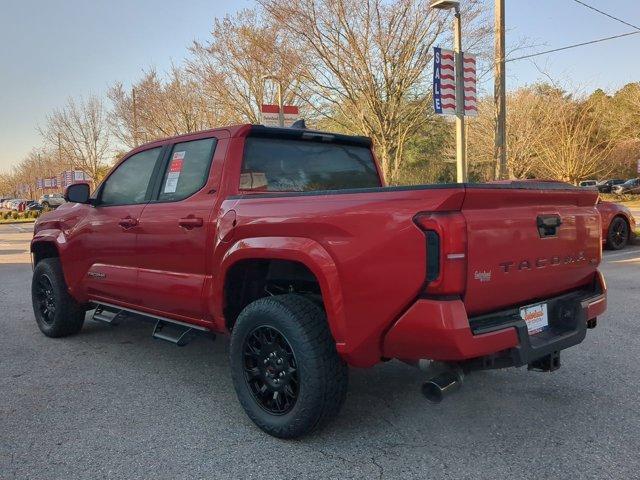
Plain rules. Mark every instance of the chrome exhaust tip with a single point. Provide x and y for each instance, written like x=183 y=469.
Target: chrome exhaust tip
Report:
x=442 y=385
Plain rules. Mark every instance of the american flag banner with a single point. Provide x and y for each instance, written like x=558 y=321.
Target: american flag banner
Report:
x=470 y=100
x=444 y=82
x=66 y=178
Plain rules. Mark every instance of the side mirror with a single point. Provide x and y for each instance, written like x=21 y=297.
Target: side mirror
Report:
x=77 y=193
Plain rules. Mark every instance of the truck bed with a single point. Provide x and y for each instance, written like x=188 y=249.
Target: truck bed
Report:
x=382 y=255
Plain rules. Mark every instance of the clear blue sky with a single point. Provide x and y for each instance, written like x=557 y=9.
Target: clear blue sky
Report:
x=52 y=50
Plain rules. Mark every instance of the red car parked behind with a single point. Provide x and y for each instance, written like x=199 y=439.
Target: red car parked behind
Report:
x=618 y=225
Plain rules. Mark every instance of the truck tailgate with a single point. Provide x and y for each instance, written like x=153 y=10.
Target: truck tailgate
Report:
x=528 y=243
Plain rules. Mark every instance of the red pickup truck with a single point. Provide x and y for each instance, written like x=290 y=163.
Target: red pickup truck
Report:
x=289 y=241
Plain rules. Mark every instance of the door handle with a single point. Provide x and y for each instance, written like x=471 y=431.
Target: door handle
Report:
x=128 y=222
x=190 y=222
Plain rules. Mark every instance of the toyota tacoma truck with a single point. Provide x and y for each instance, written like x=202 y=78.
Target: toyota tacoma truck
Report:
x=289 y=241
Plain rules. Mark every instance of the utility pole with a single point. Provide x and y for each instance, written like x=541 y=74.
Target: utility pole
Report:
x=135 y=116
x=461 y=143
x=278 y=82
x=461 y=152
x=499 y=94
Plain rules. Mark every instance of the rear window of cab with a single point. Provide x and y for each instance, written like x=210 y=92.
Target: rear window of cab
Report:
x=287 y=165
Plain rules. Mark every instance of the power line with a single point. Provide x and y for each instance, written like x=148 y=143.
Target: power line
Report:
x=575 y=45
x=606 y=14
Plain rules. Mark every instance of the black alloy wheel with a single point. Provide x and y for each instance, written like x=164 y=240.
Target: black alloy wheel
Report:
x=285 y=368
x=618 y=236
x=270 y=370
x=57 y=313
x=45 y=299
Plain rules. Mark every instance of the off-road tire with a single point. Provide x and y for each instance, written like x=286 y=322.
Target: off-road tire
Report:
x=322 y=374
x=618 y=234
x=68 y=315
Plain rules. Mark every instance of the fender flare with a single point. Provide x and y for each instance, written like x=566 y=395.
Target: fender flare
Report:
x=57 y=238
x=52 y=236
x=303 y=250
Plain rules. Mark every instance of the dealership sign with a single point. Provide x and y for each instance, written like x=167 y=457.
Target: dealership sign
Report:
x=65 y=179
x=47 y=183
x=70 y=177
x=271 y=115
x=469 y=72
x=444 y=82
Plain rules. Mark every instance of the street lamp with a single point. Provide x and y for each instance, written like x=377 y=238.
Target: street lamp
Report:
x=279 y=84
x=461 y=153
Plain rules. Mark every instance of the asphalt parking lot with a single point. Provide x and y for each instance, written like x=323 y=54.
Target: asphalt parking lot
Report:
x=112 y=402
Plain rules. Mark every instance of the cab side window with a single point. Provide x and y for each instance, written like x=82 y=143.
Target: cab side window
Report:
x=128 y=184
x=187 y=170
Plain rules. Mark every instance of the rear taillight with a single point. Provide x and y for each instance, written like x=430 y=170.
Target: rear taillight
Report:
x=446 y=235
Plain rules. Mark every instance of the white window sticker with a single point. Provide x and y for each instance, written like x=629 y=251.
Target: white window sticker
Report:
x=175 y=168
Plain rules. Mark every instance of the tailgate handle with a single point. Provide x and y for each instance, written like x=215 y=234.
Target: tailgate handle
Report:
x=548 y=225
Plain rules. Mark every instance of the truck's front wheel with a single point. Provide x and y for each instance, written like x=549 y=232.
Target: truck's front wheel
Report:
x=57 y=313
x=285 y=367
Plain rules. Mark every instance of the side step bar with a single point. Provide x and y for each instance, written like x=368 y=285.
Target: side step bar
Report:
x=172 y=331
x=107 y=315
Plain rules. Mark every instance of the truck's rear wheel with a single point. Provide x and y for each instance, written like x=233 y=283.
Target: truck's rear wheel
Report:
x=57 y=313
x=286 y=371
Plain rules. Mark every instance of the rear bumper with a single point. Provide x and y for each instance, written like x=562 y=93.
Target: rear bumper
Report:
x=441 y=330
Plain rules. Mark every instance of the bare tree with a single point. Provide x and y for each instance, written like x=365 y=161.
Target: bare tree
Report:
x=577 y=147
x=527 y=129
x=370 y=63
x=232 y=65
x=160 y=108
x=80 y=133
x=38 y=163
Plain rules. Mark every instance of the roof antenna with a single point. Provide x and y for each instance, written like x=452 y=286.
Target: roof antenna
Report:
x=299 y=124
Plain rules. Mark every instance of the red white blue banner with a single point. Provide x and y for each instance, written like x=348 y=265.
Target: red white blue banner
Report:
x=444 y=82
x=470 y=100
x=69 y=177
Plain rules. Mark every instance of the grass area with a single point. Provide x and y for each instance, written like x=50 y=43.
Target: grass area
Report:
x=631 y=201
x=16 y=220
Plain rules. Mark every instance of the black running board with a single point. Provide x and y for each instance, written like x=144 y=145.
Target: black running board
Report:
x=172 y=331
x=108 y=315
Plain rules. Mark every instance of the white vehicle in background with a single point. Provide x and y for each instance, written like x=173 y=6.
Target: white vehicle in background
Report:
x=14 y=203
x=51 y=200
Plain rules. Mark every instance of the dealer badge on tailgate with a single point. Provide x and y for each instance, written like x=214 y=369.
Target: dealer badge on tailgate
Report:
x=535 y=317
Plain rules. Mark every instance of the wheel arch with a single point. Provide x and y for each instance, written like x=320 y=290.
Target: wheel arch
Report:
x=44 y=248
x=52 y=243
x=299 y=256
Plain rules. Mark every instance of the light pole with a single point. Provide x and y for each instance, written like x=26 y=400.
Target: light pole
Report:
x=499 y=95
x=461 y=152
x=279 y=84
